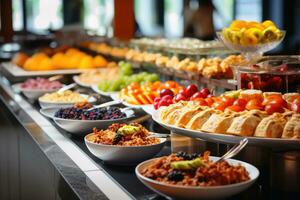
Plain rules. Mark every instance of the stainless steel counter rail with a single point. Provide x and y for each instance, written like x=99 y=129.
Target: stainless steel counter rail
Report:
x=66 y=156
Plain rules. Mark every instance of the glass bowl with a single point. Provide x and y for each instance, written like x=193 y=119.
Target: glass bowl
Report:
x=251 y=52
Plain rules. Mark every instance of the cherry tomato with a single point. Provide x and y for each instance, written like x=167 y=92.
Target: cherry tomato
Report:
x=165 y=92
x=254 y=104
x=191 y=89
x=240 y=102
x=228 y=101
x=180 y=97
x=209 y=101
x=274 y=99
x=205 y=92
x=235 y=108
x=171 y=84
x=201 y=101
x=295 y=106
x=272 y=108
x=197 y=95
x=219 y=106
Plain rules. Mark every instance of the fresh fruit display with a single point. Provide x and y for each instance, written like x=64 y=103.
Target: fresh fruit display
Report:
x=132 y=134
x=184 y=169
x=126 y=78
x=106 y=49
x=40 y=84
x=148 y=93
x=249 y=33
x=244 y=113
x=93 y=77
x=80 y=112
x=191 y=92
x=263 y=76
x=69 y=59
x=63 y=97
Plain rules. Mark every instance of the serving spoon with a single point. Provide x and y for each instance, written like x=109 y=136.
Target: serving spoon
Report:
x=110 y=103
x=234 y=150
x=67 y=87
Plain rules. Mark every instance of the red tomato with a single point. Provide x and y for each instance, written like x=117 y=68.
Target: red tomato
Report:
x=219 y=106
x=240 y=102
x=209 y=101
x=180 y=97
x=165 y=92
x=235 y=108
x=201 y=101
x=254 y=104
x=205 y=92
x=197 y=95
x=228 y=101
x=191 y=89
x=295 y=106
x=272 y=108
x=274 y=99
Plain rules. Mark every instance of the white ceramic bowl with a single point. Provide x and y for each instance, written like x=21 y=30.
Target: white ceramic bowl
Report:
x=97 y=90
x=79 y=127
x=48 y=104
x=124 y=155
x=193 y=192
x=77 y=80
x=33 y=94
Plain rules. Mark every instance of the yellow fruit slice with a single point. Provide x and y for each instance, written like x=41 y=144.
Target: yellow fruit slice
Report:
x=255 y=25
x=238 y=24
x=252 y=36
x=268 y=23
x=270 y=34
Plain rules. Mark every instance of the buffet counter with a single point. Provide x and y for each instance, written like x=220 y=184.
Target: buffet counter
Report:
x=41 y=161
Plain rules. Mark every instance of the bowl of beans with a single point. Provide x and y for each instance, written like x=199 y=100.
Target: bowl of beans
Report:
x=194 y=176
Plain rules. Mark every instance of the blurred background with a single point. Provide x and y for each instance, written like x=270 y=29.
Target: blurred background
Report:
x=32 y=22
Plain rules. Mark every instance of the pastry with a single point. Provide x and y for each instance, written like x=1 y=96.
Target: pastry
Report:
x=292 y=127
x=199 y=119
x=245 y=124
x=217 y=123
x=271 y=126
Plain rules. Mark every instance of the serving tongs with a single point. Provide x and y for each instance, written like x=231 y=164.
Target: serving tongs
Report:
x=234 y=150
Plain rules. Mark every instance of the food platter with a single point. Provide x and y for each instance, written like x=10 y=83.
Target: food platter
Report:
x=108 y=94
x=146 y=107
x=17 y=71
x=76 y=80
x=278 y=143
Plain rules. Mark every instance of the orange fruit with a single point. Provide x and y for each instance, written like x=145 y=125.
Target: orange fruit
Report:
x=99 y=61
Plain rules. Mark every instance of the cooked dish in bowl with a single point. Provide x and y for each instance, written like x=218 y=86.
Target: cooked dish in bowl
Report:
x=194 y=170
x=132 y=134
x=40 y=84
x=65 y=97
